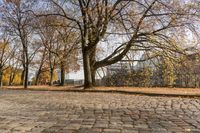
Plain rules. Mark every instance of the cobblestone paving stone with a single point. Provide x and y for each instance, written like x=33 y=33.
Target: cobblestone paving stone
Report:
x=73 y=112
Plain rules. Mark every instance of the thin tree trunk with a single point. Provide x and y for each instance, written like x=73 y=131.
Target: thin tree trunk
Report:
x=40 y=68
x=37 y=77
x=93 y=75
x=1 y=77
x=26 y=78
x=51 y=77
x=38 y=74
x=62 y=74
x=22 y=77
x=12 y=77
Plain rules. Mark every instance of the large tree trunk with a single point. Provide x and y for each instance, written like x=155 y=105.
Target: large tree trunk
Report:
x=92 y=62
x=51 y=77
x=62 y=74
x=87 y=71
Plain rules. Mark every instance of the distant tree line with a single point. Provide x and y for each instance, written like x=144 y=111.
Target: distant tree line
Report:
x=165 y=73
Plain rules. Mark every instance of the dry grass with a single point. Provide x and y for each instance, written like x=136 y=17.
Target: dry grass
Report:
x=157 y=90
x=40 y=87
x=181 y=91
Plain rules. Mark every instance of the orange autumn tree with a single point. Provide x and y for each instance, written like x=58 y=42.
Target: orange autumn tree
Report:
x=68 y=52
x=60 y=43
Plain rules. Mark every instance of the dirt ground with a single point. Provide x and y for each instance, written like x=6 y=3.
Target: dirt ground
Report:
x=138 y=90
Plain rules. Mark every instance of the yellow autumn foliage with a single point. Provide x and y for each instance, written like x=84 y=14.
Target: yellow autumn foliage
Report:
x=6 y=77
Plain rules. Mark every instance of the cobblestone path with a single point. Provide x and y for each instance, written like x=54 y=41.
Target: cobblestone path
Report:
x=73 y=112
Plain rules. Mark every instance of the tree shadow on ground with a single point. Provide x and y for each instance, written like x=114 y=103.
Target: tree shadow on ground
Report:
x=125 y=120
